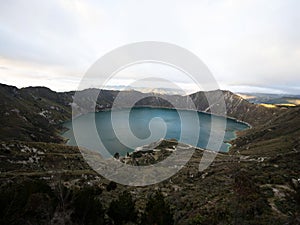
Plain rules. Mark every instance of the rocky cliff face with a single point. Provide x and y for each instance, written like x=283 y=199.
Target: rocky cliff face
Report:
x=35 y=113
x=236 y=107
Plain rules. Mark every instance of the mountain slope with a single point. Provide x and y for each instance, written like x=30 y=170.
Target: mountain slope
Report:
x=257 y=182
x=32 y=113
x=237 y=107
x=280 y=135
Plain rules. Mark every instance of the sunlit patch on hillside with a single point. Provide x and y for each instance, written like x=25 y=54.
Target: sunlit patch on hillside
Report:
x=286 y=104
x=244 y=96
x=294 y=101
x=268 y=105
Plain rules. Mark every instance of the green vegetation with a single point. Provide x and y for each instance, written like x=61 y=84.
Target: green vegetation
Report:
x=111 y=186
x=123 y=209
x=87 y=207
x=28 y=201
x=157 y=211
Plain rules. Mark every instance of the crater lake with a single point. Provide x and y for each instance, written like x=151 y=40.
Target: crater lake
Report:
x=141 y=122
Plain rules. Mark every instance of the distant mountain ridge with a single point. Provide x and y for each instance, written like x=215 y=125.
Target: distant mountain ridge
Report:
x=36 y=113
x=264 y=98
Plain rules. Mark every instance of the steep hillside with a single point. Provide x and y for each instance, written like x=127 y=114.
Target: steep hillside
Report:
x=271 y=154
x=32 y=113
x=237 y=107
x=280 y=135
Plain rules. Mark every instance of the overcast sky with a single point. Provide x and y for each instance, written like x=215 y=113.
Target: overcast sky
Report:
x=249 y=45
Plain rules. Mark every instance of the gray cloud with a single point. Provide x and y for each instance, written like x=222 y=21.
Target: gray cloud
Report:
x=246 y=44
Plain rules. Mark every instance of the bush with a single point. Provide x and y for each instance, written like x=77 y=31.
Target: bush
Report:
x=157 y=211
x=111 y=186
x=123 y=209
x=87 y=208
x=249 y=201
x=29 y=201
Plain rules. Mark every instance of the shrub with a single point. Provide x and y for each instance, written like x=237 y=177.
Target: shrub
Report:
x=30 y=201
x=87 y=208
x=111 y=186
x=157 y=211
x=123 y=209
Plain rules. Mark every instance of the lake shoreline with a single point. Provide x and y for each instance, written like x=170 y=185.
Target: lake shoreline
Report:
x=227 y=142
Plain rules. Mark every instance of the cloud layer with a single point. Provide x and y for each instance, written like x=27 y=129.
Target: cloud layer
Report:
x=248 y=45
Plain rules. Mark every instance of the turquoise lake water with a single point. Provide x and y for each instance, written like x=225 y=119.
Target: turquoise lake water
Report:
x=139 y=121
